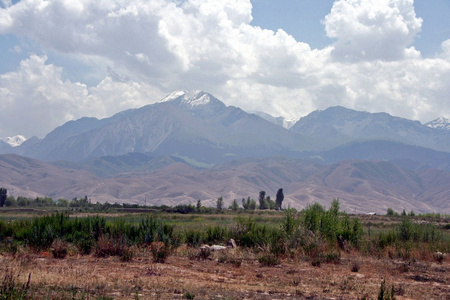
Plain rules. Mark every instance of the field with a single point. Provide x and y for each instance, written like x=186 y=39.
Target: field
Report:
x=275 y=257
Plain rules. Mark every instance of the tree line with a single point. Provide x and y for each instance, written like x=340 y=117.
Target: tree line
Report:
x=264 y=202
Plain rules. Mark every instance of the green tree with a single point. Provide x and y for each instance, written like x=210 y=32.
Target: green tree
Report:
x=219 y=204
x=10 y=201
x=390 y=212
x=262 y=200
x=252 y=205
x=3 y=196
x=23 y=201
x=279 y=199
x=270 y=203
x=234 y=206
x=199 y=205
x=62 y=203
x=246 y=203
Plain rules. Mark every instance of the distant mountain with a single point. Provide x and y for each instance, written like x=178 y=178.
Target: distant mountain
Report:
x=15 y=141
x=362 y=186
x=111 y=166
x=23 y=176
x=338 y=125
x=439 y=123
x=191 y=125
x=280 y=121
x=198 y=129
x=5 y=147
x=407 y=156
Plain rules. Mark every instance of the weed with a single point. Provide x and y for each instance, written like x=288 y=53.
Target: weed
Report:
x=268 y=259
x=9 y=289
x=127 y=255
x=12 y=247
x=188 y=295
x=316 y=262
x=333 y=257
x=384 y=293
x=295 y=281
x=355 y=266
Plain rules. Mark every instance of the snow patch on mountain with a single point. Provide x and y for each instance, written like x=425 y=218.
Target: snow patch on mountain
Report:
x=189 y=98
x=280 y=121
x=439 y=123
x=15 y=140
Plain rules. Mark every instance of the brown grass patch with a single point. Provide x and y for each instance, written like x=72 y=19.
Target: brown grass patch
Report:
x=222 y=277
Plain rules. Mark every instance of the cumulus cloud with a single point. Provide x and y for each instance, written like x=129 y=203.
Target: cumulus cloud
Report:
x=35 y=98
x=373 y=29
x=158 y=46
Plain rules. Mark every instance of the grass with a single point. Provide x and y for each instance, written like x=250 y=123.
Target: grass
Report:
x=143 y=255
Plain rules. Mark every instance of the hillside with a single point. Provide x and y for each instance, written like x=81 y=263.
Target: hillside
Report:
x=362 y=186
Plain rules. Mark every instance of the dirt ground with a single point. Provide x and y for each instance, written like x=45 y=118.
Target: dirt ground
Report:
x=233 y=274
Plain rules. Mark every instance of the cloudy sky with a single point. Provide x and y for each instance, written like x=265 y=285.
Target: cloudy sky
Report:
x=62 y=60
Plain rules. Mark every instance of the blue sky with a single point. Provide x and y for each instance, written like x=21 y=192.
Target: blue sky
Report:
x=62 y=60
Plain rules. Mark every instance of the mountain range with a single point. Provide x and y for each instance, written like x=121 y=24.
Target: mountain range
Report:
x=191 y=146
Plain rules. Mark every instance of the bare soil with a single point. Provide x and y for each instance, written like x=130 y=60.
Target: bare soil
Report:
x=234 y=274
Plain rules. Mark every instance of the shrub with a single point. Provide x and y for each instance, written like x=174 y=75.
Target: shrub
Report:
x=59 y=249
x=110 y=246
x=84 y=242
x=151 y=230
x=41 y=237
x=268 y=259
x=204 y=254
x=160 y=252
x=193 y=238
x=127 y=255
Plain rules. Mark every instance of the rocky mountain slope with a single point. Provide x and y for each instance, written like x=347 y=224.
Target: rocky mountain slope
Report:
x=194 y=125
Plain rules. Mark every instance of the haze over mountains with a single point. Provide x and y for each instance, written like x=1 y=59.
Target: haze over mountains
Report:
x=191 y=146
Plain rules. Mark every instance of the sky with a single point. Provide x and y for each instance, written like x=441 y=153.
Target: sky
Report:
x=63 y=60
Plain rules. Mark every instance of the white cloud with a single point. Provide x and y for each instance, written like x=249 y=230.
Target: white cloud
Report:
x=446 y=49
x=35 y=98
x=159 y=46
x=373 y=29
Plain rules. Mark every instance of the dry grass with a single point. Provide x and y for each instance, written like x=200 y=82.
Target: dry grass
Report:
x=235 y=274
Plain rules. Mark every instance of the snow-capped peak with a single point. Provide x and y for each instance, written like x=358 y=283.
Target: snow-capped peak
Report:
x=280 y=121
x=439 y=123
x=190 y=98
x=15 y=140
